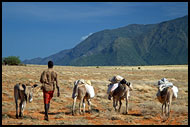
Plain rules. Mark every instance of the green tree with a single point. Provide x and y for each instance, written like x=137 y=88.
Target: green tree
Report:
x=3 y=61
x=12 y=60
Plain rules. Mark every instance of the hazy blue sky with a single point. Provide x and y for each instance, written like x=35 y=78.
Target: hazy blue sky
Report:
x=40 y=29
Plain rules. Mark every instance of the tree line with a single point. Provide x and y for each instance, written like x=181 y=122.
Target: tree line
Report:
x=11 y=60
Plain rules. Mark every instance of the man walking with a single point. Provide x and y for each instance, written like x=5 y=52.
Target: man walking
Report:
x=48 y=80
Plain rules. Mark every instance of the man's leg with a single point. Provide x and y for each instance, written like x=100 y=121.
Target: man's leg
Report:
x=46 y=111
x=46 y=98
x=48 y=106
x=50 y=95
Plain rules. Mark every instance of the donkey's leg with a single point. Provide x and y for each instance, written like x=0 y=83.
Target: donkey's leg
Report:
x=83 y=105
x=114 y=103
x=165 y=108
x=89 y=105
x=127 y=104
x=74 y=103
x=23 y=107
x=120 y=103
x=16 y=96
x=169 y=106
x=80 y=105
x=162 y=109
x=16 y=101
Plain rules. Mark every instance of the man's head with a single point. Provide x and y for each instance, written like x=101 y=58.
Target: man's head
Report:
x=50 y=64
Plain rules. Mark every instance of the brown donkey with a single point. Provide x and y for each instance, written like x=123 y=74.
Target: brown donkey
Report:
x=24 y=93
x=166 y=99
x=121 y=92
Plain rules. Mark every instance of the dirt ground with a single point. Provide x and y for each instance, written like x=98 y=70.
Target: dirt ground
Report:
x=144 y=108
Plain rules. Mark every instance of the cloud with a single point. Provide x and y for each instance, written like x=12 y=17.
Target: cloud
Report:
x=85 y=37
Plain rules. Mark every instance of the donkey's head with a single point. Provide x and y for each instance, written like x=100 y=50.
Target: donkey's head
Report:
x=124 y=83
x=129 y=84
x=28 y=91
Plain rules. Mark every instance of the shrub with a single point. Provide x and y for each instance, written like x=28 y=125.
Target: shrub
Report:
x=3 y=63
x=11 y=60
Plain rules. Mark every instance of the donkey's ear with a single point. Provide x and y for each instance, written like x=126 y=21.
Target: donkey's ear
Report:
x=123 y=81
x=35 y=85
x=128 y=83
x=76 y=82
x=24 y=86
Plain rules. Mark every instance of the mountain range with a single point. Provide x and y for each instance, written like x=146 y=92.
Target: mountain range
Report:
x=164 y=43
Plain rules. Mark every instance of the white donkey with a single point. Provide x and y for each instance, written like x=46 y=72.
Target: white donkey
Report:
x=82 y=91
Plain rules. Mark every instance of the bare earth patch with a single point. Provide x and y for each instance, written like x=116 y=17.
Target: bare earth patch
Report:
x=144 y=108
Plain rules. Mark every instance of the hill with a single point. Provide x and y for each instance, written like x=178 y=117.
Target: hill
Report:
x=136 y=44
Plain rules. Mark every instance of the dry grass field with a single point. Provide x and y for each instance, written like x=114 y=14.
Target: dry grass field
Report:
x=144 y=108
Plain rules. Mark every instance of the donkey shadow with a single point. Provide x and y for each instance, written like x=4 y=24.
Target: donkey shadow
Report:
x=133 y=114
x=93 y=111
x=5 y=116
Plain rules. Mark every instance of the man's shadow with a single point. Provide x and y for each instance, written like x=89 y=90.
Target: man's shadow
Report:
x=57 y=113
x=52 y=113
x=69 y=112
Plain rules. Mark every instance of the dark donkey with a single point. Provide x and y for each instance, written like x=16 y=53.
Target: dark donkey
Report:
x=23 y=93
x=121 y=92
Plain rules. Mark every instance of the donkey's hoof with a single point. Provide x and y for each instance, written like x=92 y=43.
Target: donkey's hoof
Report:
x=17 y=116
x=21 y=115
x=125 y=113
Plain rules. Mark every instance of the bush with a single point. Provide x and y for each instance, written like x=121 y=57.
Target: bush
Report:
x=3 y=63
x=11 y=60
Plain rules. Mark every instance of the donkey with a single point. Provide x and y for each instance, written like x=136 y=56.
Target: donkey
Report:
x=166 y=99
x=23 y=93
x=79 y=92
x=121 y=92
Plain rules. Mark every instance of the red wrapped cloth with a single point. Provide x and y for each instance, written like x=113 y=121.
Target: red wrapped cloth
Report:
x=47 y=96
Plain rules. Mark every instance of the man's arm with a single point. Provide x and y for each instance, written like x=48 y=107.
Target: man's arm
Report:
x=56 y=80
x=42 y=79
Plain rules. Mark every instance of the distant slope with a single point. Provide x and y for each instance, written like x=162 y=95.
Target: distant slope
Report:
x=154 y=44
